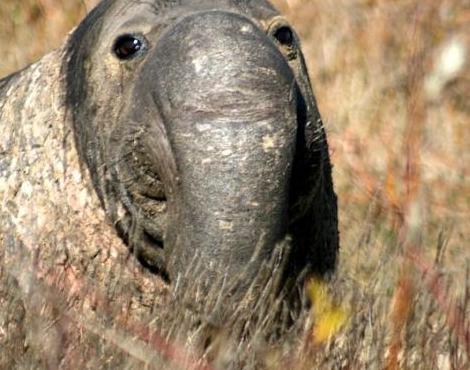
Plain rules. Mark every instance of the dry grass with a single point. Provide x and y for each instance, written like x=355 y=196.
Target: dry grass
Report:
x=392 y=82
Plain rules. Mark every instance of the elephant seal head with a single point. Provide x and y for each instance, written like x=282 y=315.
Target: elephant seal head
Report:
x=198 y=125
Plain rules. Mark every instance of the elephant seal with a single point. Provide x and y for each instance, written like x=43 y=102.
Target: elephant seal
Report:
x=186 y=130
x=201 y=134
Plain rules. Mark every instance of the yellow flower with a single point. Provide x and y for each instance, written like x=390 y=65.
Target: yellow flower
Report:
x=329 y=316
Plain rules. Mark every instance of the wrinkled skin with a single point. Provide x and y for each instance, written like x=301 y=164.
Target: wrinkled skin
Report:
x=207 y=144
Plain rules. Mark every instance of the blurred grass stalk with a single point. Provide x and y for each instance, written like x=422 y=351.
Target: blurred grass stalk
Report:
x=391 y=79
x=410 y=231
x=403 y=194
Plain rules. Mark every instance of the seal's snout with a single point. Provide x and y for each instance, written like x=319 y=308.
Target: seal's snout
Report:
x=226 y=97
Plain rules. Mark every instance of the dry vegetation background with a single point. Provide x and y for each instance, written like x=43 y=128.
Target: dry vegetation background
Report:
x=393 y=84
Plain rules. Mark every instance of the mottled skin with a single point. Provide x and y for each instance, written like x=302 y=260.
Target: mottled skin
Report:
x=204 y=149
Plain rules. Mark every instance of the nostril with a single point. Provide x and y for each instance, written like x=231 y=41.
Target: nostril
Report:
x=284 y=36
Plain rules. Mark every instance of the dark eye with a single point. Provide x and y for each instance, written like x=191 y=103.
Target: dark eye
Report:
x=284 y=35
x=128 y=46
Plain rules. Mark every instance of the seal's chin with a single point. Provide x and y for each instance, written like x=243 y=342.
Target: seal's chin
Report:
x=244 y=298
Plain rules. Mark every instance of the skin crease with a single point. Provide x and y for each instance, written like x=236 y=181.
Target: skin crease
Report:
x=204 y=155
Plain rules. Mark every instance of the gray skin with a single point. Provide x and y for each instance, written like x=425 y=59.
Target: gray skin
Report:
x=207 y=143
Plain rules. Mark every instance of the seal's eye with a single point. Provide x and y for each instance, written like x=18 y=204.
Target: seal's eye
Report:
x=128 y=46
x=284 y=35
